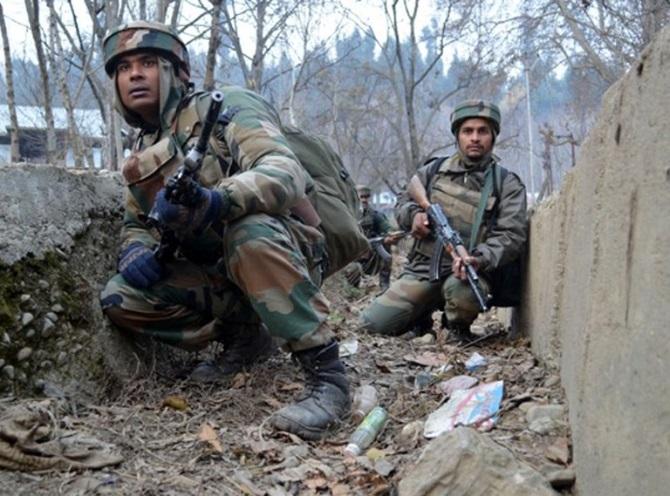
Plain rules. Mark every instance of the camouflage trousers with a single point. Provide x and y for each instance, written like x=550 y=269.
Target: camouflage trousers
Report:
x=270 y=273
x=412 y=298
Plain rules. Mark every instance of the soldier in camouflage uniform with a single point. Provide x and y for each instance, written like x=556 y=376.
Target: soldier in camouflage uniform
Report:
x=245 y=265
x=456 y=184
x=374 y=224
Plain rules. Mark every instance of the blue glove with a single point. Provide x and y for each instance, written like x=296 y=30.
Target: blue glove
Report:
x=139 y=267
x=207 y=207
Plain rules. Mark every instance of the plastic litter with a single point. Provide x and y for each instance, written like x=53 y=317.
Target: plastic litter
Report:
x=365 y=399
x=367 y=431
x=474 y=362
x=348 y=347
x=456 y=383
x=476 y=407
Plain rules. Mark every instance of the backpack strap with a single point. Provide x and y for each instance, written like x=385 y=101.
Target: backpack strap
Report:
x=483 y=199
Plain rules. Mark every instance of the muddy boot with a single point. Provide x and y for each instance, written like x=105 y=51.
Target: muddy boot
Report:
x=241 y=348
x=325 y=399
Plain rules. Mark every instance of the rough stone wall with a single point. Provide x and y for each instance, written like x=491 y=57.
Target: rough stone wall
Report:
x=599 y=284
x=58 y=244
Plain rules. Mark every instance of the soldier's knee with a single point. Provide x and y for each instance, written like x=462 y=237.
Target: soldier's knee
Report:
x=375 y=320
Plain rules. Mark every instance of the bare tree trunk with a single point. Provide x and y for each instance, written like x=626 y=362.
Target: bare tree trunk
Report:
x=15 y=152
x=214 y=43
x=57 y=62
x=175 y=14
x=32 y=7
x=581 y=40
x=143 y=10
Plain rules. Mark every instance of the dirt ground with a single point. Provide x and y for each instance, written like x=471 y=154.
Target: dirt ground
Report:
x=177 y=437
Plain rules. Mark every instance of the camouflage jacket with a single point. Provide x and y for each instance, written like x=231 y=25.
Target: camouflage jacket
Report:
x=504 y=228
x=373 y=223
x=248 y=157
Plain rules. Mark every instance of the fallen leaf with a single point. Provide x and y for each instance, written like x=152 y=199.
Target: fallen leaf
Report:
x=340 y=490
x=291 y=386
x=273 y=402
x=239 y=381
x=208 y=435
x=316 y=482
x=375 y=454
x=427 y=359
x=175 y=402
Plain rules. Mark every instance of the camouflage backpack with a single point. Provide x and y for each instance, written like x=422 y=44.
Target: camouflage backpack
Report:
x=336 y=197
x=336 y=200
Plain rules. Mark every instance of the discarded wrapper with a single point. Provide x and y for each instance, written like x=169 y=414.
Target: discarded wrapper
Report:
x=476 y=407
x=474 y=362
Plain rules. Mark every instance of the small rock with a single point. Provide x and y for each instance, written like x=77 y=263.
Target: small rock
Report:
x=24 y=298
x=58 y=308
x=26 y=319
x=411 y=433
x=24 y=353
x=544 y=425
x=52 y=317
x=426 y=339
x=562 y=479
x=9 y=371
x=62 y=357
x=46 y=365
x=552 y=381
x=559 y=451
x=384 y=468
x=21 y=376
x=48 y=328
x=61 y=343
x=6 y=339
x=536 y=412
x=30 y=333
x=43 y=284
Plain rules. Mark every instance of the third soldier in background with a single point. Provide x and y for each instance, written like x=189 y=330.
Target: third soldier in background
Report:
x=483 y=202
x=374 y=225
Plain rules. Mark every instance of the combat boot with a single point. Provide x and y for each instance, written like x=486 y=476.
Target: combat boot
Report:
x=242 y=347
x=458 y=333
x=384 y=279
x=325 y=400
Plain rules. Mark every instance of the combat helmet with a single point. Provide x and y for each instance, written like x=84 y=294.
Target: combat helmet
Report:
x=363 y=190
x=475 y=108
x=138 y=35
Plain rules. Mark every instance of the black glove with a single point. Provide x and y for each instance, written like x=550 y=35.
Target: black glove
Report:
x=206 y=208
x=139 y=267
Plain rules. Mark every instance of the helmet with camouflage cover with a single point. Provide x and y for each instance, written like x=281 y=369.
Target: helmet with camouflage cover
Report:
x=145 y=35
x=475 y=108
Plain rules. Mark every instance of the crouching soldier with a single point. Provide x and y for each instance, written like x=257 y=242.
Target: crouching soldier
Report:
x=485 y=203
x=246 y=267
x=377 y=229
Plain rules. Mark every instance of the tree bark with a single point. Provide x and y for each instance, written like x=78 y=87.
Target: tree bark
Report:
x=214 y=43
x=15 y=152
x=57 y=62
x=32 y=7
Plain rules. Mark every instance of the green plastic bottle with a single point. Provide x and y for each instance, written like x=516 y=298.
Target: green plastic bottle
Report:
x=367 y=431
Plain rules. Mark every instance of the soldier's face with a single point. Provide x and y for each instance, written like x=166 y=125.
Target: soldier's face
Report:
x=138 y=83
x=475 y=138
x=365 y=199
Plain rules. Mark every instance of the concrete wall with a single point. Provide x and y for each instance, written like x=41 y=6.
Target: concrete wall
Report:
x=597 y=301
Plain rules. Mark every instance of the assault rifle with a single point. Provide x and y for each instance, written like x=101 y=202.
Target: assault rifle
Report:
x=447 y=237
x=181 y=187
x=377 y=243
